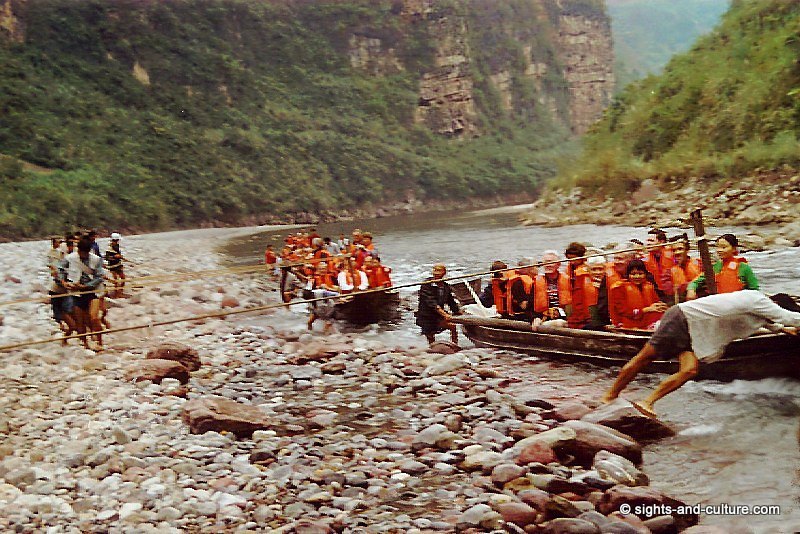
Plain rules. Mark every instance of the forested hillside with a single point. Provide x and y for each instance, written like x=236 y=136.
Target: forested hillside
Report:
x=727 y=107
x=140 y=114
x=647 y=33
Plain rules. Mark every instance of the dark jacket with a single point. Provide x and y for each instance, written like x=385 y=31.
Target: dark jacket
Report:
x=432 y=296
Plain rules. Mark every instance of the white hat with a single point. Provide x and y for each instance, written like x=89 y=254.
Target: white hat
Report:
x=116 y=236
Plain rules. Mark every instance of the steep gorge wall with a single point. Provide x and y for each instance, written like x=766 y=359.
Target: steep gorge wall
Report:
x=564 y=54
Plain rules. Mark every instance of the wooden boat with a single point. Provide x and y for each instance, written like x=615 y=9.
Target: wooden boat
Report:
x=368 y=308
x=759 y=356
x=360 y=308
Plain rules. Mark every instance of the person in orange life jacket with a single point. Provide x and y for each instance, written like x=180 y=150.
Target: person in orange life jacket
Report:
x=579 y=278
x=434 y=295
x=354 y=241
x=685 y=269
x=270 y=259
x=351 y=278
x=319 y=253
x=634 y=302
x=377 y=274
x=731 y=272
x=552 y=297
x=515 y=288
x=597 y=292
x=487 y=294
x=617 y=269
x=659 y=262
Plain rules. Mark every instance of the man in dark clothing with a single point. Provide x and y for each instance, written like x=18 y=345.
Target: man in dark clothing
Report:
x=434 y=295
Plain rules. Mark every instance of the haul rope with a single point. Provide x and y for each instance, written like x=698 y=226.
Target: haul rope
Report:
x=342 y=297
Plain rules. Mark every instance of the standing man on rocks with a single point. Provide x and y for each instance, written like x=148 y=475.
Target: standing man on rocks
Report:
x=434 y=295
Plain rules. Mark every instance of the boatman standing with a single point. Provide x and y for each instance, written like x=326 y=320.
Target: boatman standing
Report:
x=434 y=295
x=699 y=330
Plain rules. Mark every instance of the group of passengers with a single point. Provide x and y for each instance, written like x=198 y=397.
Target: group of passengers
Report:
x=633 y=290
x=77 y=293
x=324 y=268
x=341 y=266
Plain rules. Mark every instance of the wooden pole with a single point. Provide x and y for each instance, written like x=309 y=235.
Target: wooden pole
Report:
x=702 y=247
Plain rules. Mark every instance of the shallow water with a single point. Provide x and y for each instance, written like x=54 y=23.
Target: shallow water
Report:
x=737 y=443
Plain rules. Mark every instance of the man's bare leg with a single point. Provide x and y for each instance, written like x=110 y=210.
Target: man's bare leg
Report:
x=95 y=324
x=453 y=335
x=630 y=370
x=686 y=372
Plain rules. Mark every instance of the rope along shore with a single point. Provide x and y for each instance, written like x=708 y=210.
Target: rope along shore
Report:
x=4 y=348
x=143 y=281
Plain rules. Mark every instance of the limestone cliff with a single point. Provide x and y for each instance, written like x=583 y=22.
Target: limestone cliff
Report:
x=561 y=51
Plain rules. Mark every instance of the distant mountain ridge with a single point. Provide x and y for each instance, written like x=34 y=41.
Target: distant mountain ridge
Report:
x=145 y=114
x=647 y=33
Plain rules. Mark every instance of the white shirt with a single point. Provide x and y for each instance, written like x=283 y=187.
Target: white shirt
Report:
x=344 y=286
x=716 y=320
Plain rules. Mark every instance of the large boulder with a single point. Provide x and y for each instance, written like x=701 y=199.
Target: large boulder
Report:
x=622 y=416
x=648 y=502
x=553 y=438
x=218 y=413
x=590 y=438
x=156 y=371
x=178 y=352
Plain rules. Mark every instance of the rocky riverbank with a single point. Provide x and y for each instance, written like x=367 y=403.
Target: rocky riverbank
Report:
x=768 y=203
x=231 y=424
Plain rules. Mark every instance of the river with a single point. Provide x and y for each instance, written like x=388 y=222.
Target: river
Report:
x=737 y=443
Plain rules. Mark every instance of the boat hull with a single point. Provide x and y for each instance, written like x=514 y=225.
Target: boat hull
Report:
x=762 y=356
x=369 y=308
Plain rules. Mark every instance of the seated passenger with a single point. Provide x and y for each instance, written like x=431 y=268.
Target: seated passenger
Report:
x=659 y=261
x=579 y=279
x=551 y=290
x=351 y=278
x=731 y=272
x=487 y=295
x=597 y=294
x=685 y=269
x=634 y=302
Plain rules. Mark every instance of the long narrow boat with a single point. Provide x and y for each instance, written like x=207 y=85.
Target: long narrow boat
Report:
x=760 y=356
x=756 y=357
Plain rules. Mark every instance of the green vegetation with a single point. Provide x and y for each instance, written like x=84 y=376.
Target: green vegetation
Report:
x=240 y=109
x=728 y=106
x=647 y=33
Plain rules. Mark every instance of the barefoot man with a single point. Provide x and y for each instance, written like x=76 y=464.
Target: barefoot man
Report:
x=434 y=295
x=699 y=330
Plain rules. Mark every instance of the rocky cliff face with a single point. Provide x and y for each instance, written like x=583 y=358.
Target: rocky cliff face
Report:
x=587 y=56
x=570 y=69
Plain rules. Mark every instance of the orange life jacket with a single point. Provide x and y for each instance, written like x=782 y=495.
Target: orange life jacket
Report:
x=540 y=301
x=728 y=279
x=681 y=276
x=514 y=307
x=382 y=278
x=579 y=314
x=612 y=276
x=659 y=268
x=627 y=302
x=269 y=257
x=324 y=279
x=500 y=294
